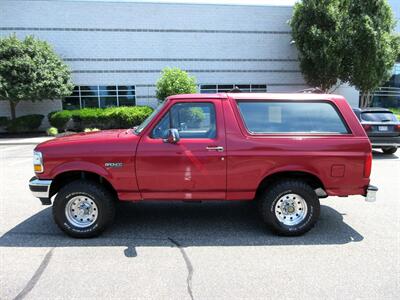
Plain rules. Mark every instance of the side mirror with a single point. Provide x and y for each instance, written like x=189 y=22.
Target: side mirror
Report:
x=173 y=136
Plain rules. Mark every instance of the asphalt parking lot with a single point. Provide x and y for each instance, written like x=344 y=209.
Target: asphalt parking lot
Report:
x=199 y=251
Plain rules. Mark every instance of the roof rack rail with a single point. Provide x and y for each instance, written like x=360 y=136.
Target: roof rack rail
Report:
x=314 y=90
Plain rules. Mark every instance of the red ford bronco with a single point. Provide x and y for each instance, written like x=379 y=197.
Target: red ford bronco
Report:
x=283 y=150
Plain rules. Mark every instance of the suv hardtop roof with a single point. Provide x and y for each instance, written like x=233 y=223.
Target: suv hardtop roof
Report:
x=260 y=96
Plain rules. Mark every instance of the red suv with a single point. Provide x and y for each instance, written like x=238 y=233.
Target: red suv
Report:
x=283 y=150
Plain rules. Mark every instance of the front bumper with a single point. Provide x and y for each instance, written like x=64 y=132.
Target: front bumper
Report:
x=370 y=193
x=40 y=189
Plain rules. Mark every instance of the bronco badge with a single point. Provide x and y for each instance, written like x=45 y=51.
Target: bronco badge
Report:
x=113 y=164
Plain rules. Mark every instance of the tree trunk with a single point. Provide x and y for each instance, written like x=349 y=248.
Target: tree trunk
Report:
x=13 y=105
x=362 y=99
x=365 y=99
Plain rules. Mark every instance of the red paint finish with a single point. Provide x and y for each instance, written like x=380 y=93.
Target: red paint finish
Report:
x=155 y=170
x=338 y=170
x=186 y=170
x=90 y=152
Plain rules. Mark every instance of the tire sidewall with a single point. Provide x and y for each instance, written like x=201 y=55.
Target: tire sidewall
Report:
x=59 y=213
x=309 y=220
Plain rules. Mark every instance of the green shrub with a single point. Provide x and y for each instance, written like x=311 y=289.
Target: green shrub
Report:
x=88 y=117
x=111 y=117
x=59 y=119
x=3 y=121
x=174 y=81
x=25 y=123
x=126 y=117
x=52 y=131
x=51 y=113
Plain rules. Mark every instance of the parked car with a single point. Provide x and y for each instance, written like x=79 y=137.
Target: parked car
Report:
x=381 y=126
x=271 y=148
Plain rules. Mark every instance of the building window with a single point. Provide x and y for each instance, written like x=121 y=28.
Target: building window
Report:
x=388 y=95
x=224 y=88
x=100 y=96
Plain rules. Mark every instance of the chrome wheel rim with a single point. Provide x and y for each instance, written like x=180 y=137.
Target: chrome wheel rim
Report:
x=81 y=211
x=291 y=209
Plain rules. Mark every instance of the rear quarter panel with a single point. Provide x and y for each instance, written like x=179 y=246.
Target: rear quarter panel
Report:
x=337 y=160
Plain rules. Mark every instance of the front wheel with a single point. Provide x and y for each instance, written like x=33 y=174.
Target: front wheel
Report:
x=83 y=209
x=389 y=150
x=289 y=207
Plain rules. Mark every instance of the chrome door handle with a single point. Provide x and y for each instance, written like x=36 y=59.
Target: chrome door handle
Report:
x=216 y=148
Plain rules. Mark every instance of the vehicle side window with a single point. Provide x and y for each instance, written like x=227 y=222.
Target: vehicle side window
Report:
x=193 y=120
x=291 y=117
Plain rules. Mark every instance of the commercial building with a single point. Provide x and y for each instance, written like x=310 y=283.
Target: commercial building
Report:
x=116 y=49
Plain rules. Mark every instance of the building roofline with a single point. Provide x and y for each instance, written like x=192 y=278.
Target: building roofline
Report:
x=157 y=2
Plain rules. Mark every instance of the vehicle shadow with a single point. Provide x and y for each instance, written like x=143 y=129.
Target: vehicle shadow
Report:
x=381 y=155
x=156 y=224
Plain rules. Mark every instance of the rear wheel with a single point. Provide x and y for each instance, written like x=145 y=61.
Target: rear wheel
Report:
x=389 y=150
x=289 y=207
x=83 y=209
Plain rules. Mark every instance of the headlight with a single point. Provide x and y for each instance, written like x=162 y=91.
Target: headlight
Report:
x=38 y=162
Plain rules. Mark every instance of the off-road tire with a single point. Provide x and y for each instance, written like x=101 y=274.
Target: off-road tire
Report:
x=389 y=150
x=269 y=198
x=103 y=198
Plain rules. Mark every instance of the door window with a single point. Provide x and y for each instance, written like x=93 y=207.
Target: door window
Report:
x=192 y=120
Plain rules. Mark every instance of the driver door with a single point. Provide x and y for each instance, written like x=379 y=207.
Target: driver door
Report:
x=194 y=168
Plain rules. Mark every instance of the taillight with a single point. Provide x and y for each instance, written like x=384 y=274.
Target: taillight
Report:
x=367 y=127
x=397 y=128
x=368 y=165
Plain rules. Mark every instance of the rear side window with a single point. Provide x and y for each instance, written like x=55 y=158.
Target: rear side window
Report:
x=291 y=117
x=378 y=117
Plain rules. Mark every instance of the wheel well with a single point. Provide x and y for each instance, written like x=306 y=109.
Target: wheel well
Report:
x=64 y=178
x=309 y=178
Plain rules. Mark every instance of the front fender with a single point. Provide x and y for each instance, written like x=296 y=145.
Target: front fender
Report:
x=81 y=166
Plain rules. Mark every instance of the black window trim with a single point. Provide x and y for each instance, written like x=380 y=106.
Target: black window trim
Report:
x=150 y=135
x=252 y=133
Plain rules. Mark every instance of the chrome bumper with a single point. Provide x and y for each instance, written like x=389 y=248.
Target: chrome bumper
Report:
x=370 y=195
x=380 y=145
x=40 y=189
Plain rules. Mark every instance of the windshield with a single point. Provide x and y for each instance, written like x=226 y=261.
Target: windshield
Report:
x=142 y=126
x=378 y=117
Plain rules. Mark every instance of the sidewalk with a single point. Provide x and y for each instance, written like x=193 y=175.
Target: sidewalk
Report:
x=24 y=141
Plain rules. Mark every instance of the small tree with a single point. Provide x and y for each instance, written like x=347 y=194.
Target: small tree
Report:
x=373 y=47
x=318 y=34
x=31 y=71
x=174 y=81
